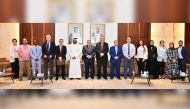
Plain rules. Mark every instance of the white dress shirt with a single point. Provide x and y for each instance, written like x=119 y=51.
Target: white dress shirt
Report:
x=116 y=48
x=142 y=52
x=132 y=50
x=179 y=52
x=13 y=52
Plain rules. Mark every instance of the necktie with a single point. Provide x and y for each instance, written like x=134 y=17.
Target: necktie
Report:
x=129 y=49
x=88 y=47
x=47 y=46
x=102 y=46
x=60 y=50
x=36 y=50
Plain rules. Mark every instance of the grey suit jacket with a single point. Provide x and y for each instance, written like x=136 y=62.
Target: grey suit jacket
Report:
x=86 y=51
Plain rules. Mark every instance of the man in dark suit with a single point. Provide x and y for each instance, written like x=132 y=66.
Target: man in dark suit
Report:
x=88 y=57
x=60 y=52
x=115 y=59
x=102 y=50
x=48 y=51
x=183 y=57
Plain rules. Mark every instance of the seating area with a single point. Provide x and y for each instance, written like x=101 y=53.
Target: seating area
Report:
x=138 y=82
x=6 y=65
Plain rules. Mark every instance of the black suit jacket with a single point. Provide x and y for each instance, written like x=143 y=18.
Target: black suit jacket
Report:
x=51 y=50
x=152 y=53
x=184 y=53
x=57 y=52
x=86 y=51
x=99 y=50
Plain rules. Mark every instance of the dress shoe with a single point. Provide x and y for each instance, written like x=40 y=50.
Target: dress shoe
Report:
x=183 y=79
x=99 y=78
x=125 y=77
x=51 y=78
x=45 y=78
x=40 y=78
x=131 y=77
x=105 y=78
x=56 y=78
x=63 y=78
x=92 y=77
x=71 y=78
x=79 y=78
x=119 y=78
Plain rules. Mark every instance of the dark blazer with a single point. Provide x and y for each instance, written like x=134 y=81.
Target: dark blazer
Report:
x=184 y=53
x=99 y=50
x=57 y=52
x=112 y=53
x=86 y=51
x=152 y=53
x=51 y=50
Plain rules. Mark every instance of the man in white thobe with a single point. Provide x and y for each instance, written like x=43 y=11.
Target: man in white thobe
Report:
x=75 y=53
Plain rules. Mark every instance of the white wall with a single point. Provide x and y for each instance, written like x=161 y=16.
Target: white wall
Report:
x=37 y=10
x=8 y=31
x=125 y=11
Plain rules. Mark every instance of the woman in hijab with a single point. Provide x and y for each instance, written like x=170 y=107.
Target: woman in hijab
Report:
x=172 y=57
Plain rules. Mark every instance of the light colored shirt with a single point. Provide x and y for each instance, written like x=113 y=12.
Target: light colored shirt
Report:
x=116 y=48
x=162 y=56
x=13 y=52
x=179 y=52
x=132 y=50
x=24 y=50
x=142 y=52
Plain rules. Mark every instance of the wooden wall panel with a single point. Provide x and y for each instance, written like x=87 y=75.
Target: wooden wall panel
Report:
x=25 y=32
x=36 y=31
x=136 y=31
x=168 y=11
x=187 y=39
x=12 y=11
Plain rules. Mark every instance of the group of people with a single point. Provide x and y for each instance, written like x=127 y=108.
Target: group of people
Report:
x=155 y=59
x=149 y=58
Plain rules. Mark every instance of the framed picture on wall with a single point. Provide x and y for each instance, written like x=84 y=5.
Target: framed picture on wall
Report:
x=75 y=31
x=96 y=30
